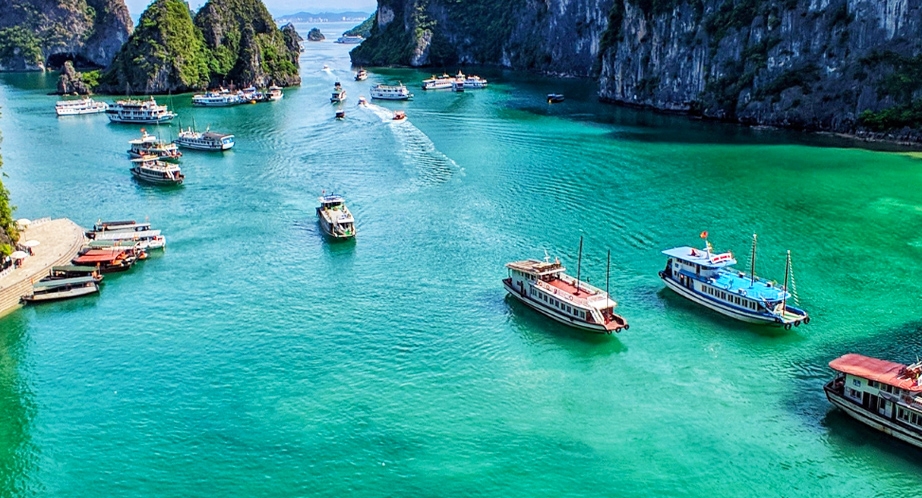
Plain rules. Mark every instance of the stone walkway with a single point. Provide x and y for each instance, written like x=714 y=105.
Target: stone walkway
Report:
x=60 y=240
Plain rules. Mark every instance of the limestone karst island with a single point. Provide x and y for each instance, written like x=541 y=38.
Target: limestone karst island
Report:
x=460 y=248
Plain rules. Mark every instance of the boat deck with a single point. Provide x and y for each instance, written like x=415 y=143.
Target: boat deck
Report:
x=763 y=290
x=569 y=288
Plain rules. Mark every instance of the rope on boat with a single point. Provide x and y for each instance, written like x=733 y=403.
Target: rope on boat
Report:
x=794 y=286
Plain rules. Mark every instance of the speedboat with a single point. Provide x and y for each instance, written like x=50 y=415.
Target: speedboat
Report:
x=709 y=279
x=362 y=101
x=339 y=94
x=335 y=219
x=399 y=116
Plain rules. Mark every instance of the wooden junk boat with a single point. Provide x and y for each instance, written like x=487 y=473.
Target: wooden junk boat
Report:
x=109 y=260
x=545 y=287
x=881 y=394
x=66 y=288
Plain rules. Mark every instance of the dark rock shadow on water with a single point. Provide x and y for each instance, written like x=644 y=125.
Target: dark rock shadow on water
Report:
x=807 y=400
x=537 y=328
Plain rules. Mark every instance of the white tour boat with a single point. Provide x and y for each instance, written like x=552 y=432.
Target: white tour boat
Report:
x=707 y=278
x=335 y=219
x=275 y=93
x=545 y=287
x=77 y=107
x=475 y=82
x=139 y=111
x=152 y=170
x=350 y=39
x=339 y=94
x=217 y=98
x=884 y=395
x=208 y=140
x=391 y=92
x=149 y=145
x=442 y=82
x=146 y=239
x=64 y=288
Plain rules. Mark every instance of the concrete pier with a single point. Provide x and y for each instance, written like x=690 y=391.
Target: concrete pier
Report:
x=59 y=242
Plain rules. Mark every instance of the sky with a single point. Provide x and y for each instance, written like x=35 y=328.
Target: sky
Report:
x=278 y=7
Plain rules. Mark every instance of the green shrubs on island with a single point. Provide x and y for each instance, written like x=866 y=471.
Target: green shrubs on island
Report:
x=8 y=232
x=229 y=41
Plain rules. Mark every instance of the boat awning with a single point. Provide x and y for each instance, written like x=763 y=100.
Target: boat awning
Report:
x=129 y=235
x=98 y=256
x=121 y=227
x=701 y=257
x=885 y=372
x=73 y=269
x=48 y=284
x=105 y=244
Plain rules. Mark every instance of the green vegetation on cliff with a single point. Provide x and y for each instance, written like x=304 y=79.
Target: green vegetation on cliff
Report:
x=229 y=41
x=8 y=232
x=364 y=29
x=19 y=43
x=165 y=51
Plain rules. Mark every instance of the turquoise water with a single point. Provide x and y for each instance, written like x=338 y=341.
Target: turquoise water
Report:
x=253 y=358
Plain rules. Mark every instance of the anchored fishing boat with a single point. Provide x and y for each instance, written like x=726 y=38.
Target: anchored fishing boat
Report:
x=78 y=107
x=149 y=145
x=707 y=278
x=391 y=92
x=545 y=287
x=335 y=219
x=880 y=394
x=139 y=111
x=208 y=140
x=65 y=288
x=152 y=170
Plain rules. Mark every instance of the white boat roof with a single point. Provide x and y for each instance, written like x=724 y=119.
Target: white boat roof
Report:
x=701 y=257
x=127 y=235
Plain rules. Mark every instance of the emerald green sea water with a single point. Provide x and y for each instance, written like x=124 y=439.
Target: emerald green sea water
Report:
x=253 y=358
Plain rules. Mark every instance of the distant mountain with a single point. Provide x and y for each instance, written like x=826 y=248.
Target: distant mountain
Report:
x=323 y=17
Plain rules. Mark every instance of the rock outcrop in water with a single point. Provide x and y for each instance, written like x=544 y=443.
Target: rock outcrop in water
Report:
x=228 y=42
x=72 y=82
x=315 y=35
x=851 y=66
x=35 y=34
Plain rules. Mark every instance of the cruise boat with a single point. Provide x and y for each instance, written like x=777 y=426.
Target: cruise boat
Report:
x=65 y=288
x=475 y=82
x=152 y=170
x=709 y=279
x=274 y=93
x=335 y=219
x=145 y=239
x=77 y=107
x=108 y=260
x=149 y=145
x=217 y=98
x=350 y=39
x=361 y=75
x=545 y=287
x=139 y=111
x=442 y=82
x=391 y=92
x=209 y=140
x=339 y=94
x=884 y=395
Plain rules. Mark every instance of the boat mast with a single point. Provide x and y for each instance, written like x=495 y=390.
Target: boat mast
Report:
x=579 y=263
x=607 y=276
x=752 y=271
x=784 y=293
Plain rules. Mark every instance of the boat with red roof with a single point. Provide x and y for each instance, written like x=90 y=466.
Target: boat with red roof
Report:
x=545 y=287
x=108 y=260
x=881 y=394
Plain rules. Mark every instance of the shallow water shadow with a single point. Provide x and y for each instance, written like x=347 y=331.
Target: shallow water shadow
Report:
x=672 y=300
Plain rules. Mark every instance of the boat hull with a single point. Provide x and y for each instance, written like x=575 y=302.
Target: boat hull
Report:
x=722 y=309
x=553 y=314
x=155 y=180
x=871 y=419
x=117 y=119
x=60 y=296
x=209 y=148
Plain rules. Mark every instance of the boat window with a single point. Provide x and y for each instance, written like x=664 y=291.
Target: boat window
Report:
x=851 y=393
x=872 y=383
x=902 y=414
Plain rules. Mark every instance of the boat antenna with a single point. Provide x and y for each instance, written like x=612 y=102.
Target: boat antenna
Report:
x=579 y=263
x=607 y=276
x=784 y=293
x=752 y=271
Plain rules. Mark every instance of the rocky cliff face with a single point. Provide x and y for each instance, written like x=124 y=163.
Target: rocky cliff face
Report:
x=230 y=42
x=839 y=65
x=35 y=34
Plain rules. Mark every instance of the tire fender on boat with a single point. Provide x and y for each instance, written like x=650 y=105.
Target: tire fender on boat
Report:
x=627 y=326
x=806 y=320
x=787 y=326
x=797 y=323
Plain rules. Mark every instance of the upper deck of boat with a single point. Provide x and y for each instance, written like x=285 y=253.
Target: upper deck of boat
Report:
x=885 y=372
x=734 y=282
x=701 y=257
x=536 y=267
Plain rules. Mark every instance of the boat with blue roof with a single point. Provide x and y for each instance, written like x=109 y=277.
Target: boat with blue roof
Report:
x=709 y=279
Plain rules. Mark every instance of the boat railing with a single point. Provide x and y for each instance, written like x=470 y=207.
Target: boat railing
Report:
x=570 y=298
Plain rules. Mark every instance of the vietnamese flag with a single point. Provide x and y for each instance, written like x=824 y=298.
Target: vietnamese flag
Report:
x=704 y=234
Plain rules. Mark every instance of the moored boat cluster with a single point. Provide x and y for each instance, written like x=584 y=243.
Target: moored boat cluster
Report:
x=112 y=246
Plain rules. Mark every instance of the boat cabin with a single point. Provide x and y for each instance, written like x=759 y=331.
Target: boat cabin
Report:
x=698 y=262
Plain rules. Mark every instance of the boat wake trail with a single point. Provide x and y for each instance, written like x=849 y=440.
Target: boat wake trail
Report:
x=417 y=149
